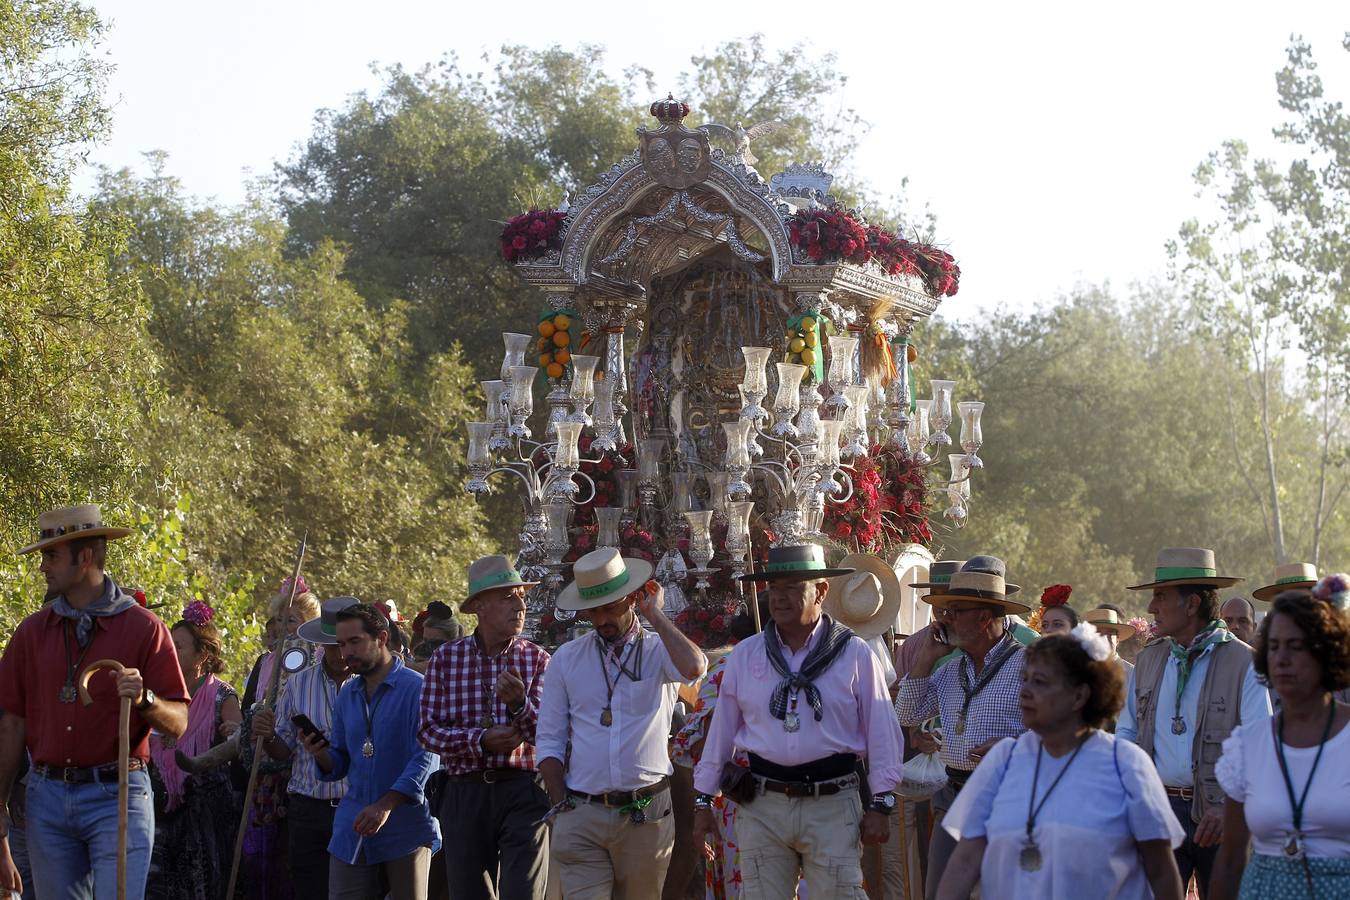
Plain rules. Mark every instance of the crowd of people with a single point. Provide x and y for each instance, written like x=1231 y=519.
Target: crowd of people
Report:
x=998 y=751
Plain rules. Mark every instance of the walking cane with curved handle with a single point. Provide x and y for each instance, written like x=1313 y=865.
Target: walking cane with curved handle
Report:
x=123 y=765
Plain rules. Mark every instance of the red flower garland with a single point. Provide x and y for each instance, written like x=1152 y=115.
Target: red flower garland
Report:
x=532 y=234
x=835 y=235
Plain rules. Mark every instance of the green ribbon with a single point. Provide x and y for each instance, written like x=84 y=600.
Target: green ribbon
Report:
x=487 y=581
x=902 y=341
x=329 y=629
x=550 y=313
x=794 y=324
x=800 y=565
x=1179 y=573
x=939 y=579
x=1291 y=579
x=600 y=590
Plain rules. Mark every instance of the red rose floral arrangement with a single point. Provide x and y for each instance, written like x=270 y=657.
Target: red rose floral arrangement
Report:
x=1054 y=595
x=530 y=235
x=828 y=235
x=836 y=235
x=887 y=508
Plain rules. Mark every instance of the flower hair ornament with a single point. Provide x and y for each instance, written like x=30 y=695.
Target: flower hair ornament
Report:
x=198 y=612
x=300 y=586
x=1054 y=595
x=1334 y=589
x=1094 y=644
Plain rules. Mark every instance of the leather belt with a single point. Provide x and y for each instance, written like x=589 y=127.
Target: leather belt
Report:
x=491 y=776
x=622 y=798
x=809 y=788
x=86 y=775
x=1183 y=793
x=317 y=801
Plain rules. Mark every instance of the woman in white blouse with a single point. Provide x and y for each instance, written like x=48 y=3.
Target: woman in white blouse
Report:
x=1288 y=778
x=1066 y=811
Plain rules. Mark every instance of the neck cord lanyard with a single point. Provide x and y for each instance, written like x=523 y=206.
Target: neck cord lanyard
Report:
x=368 y=748
x=634 y=652
x=68 y=692
x=971 y=691
x=1294 y=848
x=1031 y=854
x=484 y=668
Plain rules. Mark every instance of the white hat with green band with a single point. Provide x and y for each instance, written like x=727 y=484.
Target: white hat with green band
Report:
x=603 y=576
x=803 y=562
x=1289 y=577
x=1185 y=565
x=488 y=573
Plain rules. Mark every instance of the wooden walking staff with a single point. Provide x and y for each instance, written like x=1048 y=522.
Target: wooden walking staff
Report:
x=269 y=702
x=123 y=765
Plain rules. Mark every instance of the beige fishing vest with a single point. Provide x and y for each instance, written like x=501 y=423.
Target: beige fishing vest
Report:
x=1219 y=711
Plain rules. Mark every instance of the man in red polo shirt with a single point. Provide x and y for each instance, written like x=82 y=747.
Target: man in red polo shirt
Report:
x=72 y=788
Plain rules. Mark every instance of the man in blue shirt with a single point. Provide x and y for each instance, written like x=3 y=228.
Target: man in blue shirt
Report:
x=383 y=832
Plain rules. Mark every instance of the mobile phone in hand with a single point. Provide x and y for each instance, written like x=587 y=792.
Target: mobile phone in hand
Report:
x=303 y=722
x=940 y=633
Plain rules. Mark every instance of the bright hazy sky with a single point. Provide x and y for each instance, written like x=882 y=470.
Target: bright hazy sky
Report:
x=1055 y=142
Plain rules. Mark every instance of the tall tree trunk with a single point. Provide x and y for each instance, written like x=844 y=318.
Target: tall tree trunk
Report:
x=1268 y=436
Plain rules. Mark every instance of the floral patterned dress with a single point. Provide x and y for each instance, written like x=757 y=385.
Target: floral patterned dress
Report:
x=194 y=843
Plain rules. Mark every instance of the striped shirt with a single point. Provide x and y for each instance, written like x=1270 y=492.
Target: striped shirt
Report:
x=459 y=701
x=313 y=692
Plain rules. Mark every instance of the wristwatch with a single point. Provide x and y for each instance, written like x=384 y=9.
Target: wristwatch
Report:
x=882 y=803
x=147 y=700
x=703 y=801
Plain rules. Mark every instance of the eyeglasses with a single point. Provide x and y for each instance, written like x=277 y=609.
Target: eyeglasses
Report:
x=947 y=612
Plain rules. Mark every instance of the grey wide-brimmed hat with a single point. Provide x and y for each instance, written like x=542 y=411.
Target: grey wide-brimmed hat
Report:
x=803 y=562
x=939 y=574
x=323 y=630
x=488 y=573
x=603 y=576
x=1186 y=565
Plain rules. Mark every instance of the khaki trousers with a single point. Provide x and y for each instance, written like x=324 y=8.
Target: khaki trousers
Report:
x=818 y=836
x=600 y=853
x=902 y=873
x=404 y=878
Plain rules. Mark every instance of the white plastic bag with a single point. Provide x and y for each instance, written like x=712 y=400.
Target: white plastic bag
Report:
x=925 y=775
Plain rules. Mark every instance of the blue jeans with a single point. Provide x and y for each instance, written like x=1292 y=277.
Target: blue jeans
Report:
x=73 y=828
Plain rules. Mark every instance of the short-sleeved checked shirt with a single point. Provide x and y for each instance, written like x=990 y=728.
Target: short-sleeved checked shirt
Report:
x=461 y=688
x=994 y=712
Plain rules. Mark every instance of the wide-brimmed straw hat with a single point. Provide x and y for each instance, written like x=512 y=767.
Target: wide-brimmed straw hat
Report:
x=1186 y=565
x=488 y=573
x=603 y=576
x=1107 y=621
x=323 y=630
x=1289 y=577
x=868 y=601
x=977 y=587
x=803 y=562
x=70 y=523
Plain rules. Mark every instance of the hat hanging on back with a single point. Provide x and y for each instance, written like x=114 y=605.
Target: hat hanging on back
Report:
x=603 y=576
x=1186 y=565
x=866 y=602
x=71 y=523
x=802 y=562
x=1290 y=577
x=487 y=573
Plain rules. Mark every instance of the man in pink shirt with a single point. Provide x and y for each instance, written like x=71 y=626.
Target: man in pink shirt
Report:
x=806 y=700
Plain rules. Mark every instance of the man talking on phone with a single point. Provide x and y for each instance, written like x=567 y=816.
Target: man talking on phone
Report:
x=977 y=694
x=309 y=695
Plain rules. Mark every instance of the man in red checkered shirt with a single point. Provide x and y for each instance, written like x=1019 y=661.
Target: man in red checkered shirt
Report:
x=480 y=703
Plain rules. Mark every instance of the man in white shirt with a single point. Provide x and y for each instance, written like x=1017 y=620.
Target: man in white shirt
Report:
x=610 y=695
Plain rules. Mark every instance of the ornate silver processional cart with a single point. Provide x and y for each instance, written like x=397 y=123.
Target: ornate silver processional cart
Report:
x=725 y=366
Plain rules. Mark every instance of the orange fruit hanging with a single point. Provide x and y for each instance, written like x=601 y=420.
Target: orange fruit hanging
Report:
x=562 y=357
x=561 y=339
x=546 y=328
x=555 y=370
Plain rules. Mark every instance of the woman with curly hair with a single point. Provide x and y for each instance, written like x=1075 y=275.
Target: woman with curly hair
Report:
x=194 y=814
x=1288 y=779
x=1066 y=810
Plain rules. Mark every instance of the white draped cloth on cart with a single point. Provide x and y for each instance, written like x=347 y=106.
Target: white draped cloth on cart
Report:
x=1108 y=800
